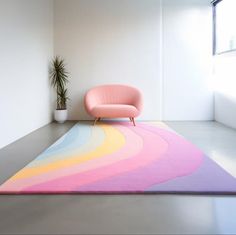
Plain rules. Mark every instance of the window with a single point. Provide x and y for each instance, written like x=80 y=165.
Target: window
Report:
x=224 y=14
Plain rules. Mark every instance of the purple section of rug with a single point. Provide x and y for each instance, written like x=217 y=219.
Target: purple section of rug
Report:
x=210 y=178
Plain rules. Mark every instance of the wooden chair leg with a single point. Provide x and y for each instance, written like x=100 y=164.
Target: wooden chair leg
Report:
x=132 y=119
x=95 y=121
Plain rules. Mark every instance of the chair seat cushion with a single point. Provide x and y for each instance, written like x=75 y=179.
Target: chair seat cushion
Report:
x=114 y=111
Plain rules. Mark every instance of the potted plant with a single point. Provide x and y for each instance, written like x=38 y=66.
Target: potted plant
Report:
x=59 y=79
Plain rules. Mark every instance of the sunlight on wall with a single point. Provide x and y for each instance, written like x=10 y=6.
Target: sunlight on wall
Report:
x=225 y=74
x=225 y=25
x=195 y=17
x=187 y=60
x=197 y=42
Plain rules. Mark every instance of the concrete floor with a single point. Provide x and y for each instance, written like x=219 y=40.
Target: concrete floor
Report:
x=119 y=214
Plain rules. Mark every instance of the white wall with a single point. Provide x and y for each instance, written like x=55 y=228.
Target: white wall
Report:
x=26 y=45
x=187 y=60
x=120 y=41
x=110 y=41
x=225 y=95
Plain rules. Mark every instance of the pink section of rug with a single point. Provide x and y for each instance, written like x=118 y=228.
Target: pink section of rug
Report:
x=179 y=159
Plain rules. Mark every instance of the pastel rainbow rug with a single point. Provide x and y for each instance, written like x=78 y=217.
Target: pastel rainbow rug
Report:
x=116 y=157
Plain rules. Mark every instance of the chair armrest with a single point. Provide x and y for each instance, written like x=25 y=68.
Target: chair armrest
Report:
x=138 y=102
x=89 y=102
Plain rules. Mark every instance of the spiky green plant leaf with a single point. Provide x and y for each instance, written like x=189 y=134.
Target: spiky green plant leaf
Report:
x=59 y=79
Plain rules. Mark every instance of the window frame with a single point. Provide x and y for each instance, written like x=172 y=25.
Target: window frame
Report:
x=214 y=4
x=214 y=31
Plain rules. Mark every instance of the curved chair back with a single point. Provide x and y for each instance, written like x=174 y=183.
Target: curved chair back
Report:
x=113 y=94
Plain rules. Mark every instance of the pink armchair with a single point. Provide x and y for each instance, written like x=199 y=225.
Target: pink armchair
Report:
x=113 y=101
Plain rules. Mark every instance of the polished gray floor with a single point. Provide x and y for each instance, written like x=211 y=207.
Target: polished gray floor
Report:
x=125 y=214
